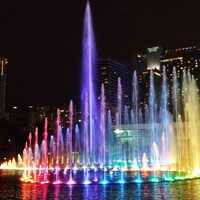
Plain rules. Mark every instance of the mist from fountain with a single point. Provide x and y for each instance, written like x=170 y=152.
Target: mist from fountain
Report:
x=167 y=154
x=134 y=143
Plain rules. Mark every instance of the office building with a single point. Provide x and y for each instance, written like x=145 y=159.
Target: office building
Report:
x=3 y=70
x=108 y=73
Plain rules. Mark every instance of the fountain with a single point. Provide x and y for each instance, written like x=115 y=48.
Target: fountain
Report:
x=141 y=144
x=88 y=97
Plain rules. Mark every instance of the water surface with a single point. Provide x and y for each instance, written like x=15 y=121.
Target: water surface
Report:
x=12 y=188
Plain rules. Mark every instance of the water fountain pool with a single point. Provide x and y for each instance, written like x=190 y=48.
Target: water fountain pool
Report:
x=144 y=144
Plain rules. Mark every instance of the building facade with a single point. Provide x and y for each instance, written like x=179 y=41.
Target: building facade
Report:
x=108 y=72
x=155 y=59
x=3 y=70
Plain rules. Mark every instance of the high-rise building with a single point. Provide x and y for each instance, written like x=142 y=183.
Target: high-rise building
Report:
x=144 y=85
x=144 y=64
x=108 y=72
x=3 y=63
x=187 y=58
x=155 y=59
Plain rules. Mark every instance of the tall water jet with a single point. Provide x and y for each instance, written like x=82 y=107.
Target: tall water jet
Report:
x=77 y=145
x=30 y=155
x=103 y=133
x=111 y=155
x=103 y=128
x=177 y=128
x=135 y=109
x=186 y=132
x=119 y=118
x=136 y=121
x=164 y=120
x=36 y=154
x=68 y=146
x=45 y=151
x=71 y=115
x=175 y=95
x=152 y=123
x=152 y=110
x=88 y=95
x=71 y=162
x=135 y=97
x=119 y=103
x=58 y=147
x=52 y=151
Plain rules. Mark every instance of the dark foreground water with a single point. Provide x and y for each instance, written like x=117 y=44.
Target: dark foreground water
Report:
x=12 y=188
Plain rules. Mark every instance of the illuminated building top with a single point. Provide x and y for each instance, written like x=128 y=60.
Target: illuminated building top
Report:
x=153 y=58
x=3 y=63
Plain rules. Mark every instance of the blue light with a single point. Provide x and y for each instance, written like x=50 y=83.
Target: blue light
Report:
x=122 y=181
x=138 y=181
x=104 y=182
x=87 y=182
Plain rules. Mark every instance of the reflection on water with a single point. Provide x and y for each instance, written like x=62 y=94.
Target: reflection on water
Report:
x=11 y=188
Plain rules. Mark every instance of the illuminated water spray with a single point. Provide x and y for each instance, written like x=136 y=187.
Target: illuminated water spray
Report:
x=88 y=91
x=135 y=143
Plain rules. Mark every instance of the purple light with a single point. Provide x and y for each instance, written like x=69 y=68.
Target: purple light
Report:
x=88 y=98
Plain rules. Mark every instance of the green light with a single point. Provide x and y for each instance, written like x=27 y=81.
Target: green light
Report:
x=154 y=180
x=168 y=179
x=179 y=178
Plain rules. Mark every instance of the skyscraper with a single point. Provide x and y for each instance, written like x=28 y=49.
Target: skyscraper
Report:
x=108 y=72
x=3 y=63
x=187 y=58
x=144 y=64
x=153 y=58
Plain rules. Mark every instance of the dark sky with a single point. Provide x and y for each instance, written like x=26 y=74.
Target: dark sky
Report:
x=43 y=40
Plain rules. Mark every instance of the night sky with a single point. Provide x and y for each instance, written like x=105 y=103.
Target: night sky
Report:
x=43 y=40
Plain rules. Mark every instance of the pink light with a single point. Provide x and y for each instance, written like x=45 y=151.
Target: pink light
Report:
x=57 y=182
x=95 y=179
x=33 y=181
x=44 y=182
x=71 y=182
